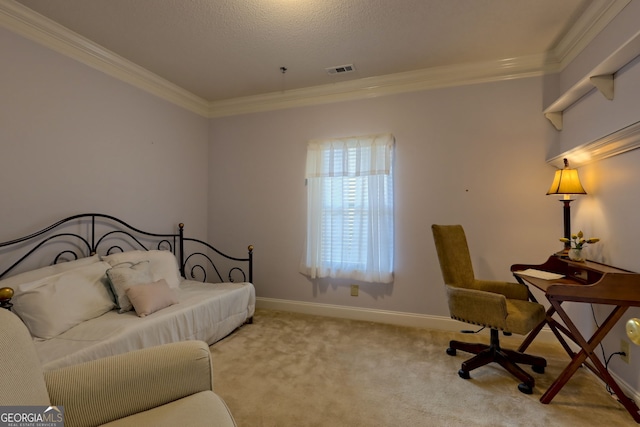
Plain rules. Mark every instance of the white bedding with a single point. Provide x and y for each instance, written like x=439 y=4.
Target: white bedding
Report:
x=206 y=311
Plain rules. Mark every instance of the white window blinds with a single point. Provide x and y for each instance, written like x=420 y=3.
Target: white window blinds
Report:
x=350 y=209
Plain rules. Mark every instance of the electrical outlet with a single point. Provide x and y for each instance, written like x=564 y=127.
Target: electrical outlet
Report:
x=626 y=348
x=354 y=290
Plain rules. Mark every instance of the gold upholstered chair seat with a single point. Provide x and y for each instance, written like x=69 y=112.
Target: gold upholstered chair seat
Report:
x=494 y=310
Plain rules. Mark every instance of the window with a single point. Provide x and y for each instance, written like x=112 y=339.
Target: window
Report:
x=350 y=209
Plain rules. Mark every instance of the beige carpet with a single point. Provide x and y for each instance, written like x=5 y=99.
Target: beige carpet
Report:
x=289 y=369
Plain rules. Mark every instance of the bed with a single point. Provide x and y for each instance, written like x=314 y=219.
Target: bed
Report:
x=91 y=286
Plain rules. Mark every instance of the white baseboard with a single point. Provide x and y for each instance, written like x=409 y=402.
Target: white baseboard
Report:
x=379 y=316
x=626 y=388
x=402 y=319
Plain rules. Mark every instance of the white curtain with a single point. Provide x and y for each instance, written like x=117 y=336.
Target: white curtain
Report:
x=350 y=209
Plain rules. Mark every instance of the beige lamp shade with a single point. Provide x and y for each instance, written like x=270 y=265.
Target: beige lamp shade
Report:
x=633 y=330
x=566 y=181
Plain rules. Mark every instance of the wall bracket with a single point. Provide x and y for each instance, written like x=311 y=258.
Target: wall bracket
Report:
x=604 y=84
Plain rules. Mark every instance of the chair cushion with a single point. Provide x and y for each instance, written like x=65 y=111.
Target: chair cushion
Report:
x=477 y=307
x=494 y=310
x=201 y=409
x=523 y=316
x=453 y=254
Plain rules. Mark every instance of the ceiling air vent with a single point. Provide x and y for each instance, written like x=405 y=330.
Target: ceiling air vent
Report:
x=341 y=69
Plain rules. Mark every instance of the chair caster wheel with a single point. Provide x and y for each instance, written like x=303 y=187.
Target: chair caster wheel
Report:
x=451 y=351
x=525 y=388
x=538 y=369
x=464 y=374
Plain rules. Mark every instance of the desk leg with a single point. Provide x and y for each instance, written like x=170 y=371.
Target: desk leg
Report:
x=587 y=351
x=555 y=327
x=535 y=331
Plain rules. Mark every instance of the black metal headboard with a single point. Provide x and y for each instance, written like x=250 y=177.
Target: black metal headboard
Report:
x=87 y=234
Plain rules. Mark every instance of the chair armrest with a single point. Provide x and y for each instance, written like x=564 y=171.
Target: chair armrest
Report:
x=477 y=307
x=510 y=290
x=111 y=388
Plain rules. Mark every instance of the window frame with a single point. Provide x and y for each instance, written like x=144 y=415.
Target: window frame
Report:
x=364 y=167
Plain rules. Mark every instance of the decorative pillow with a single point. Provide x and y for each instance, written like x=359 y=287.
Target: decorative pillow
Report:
x=151 y=297
x=51 y=270
x=51 y=305
x=163 y=264
x=124 y=276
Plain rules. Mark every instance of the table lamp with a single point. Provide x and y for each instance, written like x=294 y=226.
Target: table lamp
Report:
x=633 y=330
x=567 y=182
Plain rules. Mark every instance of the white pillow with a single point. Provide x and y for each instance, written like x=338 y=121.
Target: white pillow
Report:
x=151 y=297
x=162 y=264
x=51 y=305
x=41 y=273
x=125 y=275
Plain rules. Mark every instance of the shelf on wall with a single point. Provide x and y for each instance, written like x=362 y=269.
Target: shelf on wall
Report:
x=601 y=78
x=618 y=142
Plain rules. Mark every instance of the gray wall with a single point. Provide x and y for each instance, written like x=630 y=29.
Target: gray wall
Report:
x=472 y=155
x=75 y=140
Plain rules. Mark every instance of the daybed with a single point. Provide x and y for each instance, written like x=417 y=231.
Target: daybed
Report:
x=121 y=289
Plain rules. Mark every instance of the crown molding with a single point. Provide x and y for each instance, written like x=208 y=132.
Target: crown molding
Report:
x=27 y=23
x=371 y=87
x=594 y=19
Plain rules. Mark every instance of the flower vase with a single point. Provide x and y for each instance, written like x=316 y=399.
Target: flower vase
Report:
x=576 y=254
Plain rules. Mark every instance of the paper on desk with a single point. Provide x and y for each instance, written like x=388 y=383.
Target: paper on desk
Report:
x=546 y=275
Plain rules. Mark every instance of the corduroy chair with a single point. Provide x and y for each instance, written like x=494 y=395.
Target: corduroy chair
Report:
x=500 y=306
x=167 y=385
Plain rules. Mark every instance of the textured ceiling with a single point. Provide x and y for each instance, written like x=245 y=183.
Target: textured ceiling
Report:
x=223 y=49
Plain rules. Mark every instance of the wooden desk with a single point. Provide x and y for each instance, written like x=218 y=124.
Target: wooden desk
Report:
x=587 y=282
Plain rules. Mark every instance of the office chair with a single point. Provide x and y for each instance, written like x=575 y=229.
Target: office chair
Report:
x=500 y=306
